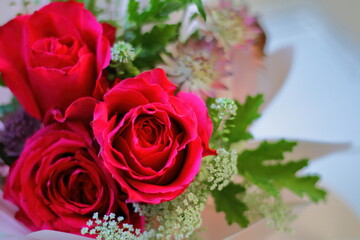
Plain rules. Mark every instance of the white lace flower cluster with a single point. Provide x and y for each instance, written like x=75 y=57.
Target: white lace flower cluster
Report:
x=180 y=217
x=122 y=52
x=226 y=110
x=109 y=228
x=221 y=169
x=274 y=210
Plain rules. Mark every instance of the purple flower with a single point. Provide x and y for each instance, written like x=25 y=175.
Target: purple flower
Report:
x=18 y=126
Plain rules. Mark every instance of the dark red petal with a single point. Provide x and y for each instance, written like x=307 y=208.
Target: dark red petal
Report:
x=109 y=32
x=120 y=100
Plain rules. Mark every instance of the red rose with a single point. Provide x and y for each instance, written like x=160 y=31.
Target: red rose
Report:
x=59 y=182
x=54 y=56
x=152 y=141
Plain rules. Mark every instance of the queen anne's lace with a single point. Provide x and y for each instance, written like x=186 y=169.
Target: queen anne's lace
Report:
x=109 y=228
x=274 y=210
x=179 y=218
x=122 y=52
x=221 y=169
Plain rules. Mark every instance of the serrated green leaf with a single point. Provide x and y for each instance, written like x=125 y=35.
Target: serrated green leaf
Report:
x=159 y=36
x=159 y=11
x=153 y=43
x=264 y=167
x=156 y=11
x=268 y=151
x=227 y=201
x=246 y=114
x=231 y=129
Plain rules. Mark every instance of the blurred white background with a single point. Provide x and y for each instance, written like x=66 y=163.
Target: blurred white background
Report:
x=321 y=96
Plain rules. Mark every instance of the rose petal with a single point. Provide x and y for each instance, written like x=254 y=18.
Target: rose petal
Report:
x=12 y=65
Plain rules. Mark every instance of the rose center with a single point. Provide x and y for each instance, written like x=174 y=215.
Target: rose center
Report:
x=82 y=188
x=53 y=45
x=148 y=130
x=54 y=52
x=148 y=134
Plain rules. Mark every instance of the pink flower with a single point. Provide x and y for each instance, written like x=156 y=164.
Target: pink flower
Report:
x=198 y=67
x=152 y=141
x=230 y=25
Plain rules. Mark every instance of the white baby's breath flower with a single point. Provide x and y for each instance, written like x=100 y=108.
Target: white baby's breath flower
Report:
x=84 y=230
x=112 y=228
x=89 y=223
x=122 y=52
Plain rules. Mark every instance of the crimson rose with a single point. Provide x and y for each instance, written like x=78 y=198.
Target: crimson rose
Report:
x=152 y=141
x=59 y=182
x=54 y=56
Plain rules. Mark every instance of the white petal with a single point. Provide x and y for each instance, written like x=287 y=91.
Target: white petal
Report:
x=9 y=225
x=276 y=69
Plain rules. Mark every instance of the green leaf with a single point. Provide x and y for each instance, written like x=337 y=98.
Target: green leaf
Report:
x=200 y=6
x=156 y=12
x=1 y=81
x=153 y=43
x=227 y=201
x=90 y=5
x=8 y=108
x=160 y=10
x=265 y=167
x=227 y=128
x=133 y=8
x=245 y=116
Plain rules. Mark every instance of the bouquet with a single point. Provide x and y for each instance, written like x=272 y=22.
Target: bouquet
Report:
x=126 y=118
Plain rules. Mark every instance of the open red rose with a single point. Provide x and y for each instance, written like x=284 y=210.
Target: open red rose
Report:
x=59 y=182
x=152 y=141
x=54 y=56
